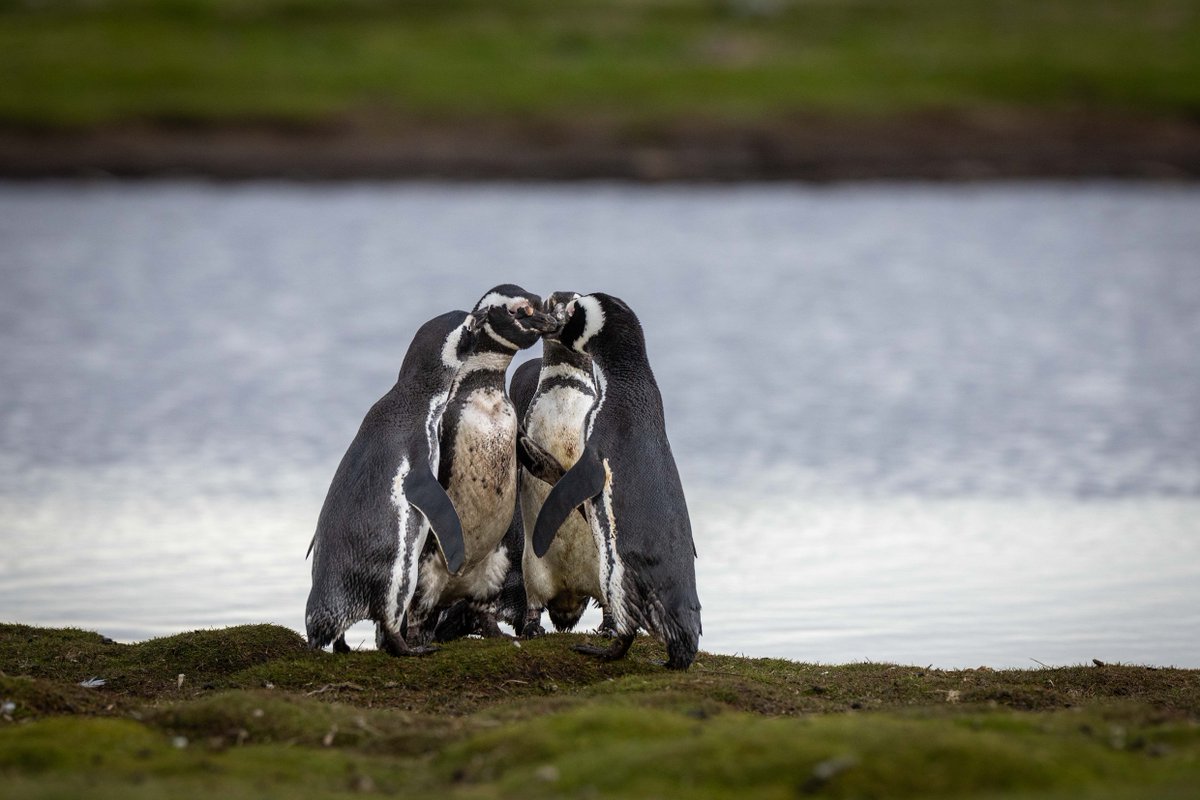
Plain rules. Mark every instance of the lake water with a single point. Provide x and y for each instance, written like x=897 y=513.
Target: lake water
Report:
x=931 y=424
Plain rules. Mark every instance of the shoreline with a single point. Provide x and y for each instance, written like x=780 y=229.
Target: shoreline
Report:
x=820 y=149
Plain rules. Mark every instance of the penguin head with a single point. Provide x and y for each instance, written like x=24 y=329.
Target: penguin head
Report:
x=556 y=305
x=587 y=316
x=440 y=344
x=509 y=319
x=554 y=350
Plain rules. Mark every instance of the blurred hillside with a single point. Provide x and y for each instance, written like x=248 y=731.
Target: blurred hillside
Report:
x=578 y=88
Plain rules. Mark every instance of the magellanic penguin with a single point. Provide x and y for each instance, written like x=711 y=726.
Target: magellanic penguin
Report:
x=478 y=463
x=628 y=483
x=385 y=497
x=553 y=396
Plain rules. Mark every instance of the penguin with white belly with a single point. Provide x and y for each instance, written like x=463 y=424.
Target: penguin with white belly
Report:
x=629 y=486
x=553 y=396
x=385 y=498
x=478 y=465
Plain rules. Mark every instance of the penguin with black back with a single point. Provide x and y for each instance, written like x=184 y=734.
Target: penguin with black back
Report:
x=385 y=499
x=629 y=486
x=478 y=464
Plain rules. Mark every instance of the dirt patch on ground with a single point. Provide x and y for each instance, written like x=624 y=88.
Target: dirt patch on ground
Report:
x=929 y=146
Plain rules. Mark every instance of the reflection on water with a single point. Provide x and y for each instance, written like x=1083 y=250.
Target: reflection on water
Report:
x=950 y=425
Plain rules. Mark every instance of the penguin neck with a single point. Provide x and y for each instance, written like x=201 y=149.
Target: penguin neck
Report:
x=482 y=366
x=631 y=377
x=427 y=370
x=555 y=354
x=620 y=363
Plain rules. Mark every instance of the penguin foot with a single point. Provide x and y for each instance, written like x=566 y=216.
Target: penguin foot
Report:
x=607 y=627
x=395 y=645
x=488 y=628
x=423 y=650
x=614 y=651
x=532 y=627
x=340 y=646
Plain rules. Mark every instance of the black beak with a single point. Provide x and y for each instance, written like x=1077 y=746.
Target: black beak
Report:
x=542 y=323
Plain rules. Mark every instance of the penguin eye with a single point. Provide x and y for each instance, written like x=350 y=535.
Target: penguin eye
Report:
x=526 y=311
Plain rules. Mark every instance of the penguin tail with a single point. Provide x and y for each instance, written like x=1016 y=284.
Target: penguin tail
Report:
x=682 y=637
x=323 y=627
x=681 y=653
x=565 y=616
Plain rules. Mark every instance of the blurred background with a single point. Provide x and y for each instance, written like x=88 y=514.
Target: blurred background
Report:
x=920 y=282
x=645 y=89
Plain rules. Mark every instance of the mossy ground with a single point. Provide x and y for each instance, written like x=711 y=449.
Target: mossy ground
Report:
x=250 y=711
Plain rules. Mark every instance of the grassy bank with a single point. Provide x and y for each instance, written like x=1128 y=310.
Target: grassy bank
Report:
x=249 y=711
x=638 y=62
x=644 y=89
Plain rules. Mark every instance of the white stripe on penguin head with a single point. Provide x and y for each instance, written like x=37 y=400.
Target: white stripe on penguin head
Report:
x=593 y=320
x=450 y=346
x=496 y=299
x=487 y=327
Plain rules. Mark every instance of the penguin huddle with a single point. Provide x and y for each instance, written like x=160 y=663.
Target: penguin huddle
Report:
x=560 y=491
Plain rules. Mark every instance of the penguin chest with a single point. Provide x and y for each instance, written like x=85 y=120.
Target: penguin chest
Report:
x=555 y=421
x=571 y=565
x=483 y=474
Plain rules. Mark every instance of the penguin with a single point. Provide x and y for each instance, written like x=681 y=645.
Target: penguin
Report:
x=385 y=498
x=629 y=486
x=553 y=396
x=478 y=465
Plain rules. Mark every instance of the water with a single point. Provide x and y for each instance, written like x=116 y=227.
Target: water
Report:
x=949 y=425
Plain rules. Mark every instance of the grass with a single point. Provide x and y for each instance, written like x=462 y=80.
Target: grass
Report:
x=256 y=714
x=640 y=65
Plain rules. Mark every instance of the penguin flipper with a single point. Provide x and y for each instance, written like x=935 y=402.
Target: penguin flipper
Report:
x=422 y=490
x=540 y=463
x=581 y=483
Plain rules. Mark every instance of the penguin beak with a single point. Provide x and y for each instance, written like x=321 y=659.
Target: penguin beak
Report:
x=559 y=311
x=542 y=323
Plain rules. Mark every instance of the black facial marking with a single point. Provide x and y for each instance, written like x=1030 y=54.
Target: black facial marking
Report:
x=508 y=322
x=573 y=329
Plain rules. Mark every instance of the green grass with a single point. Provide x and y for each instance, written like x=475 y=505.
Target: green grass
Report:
x=256 y=714
x=634 y=63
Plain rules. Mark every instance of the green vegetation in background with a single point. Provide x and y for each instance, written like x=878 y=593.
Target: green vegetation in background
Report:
x=251 y=712
x=639 y=62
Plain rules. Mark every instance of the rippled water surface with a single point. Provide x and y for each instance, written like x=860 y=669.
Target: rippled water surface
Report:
x=956 y=425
